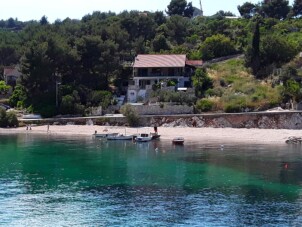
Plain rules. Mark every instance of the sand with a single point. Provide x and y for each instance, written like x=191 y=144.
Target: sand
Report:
x=206 y=135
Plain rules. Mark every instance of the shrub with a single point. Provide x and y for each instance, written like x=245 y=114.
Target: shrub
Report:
x=12 y=120
x=131 y=115
x=8 y=119
x=214 y=92
x=3 y=119
x=100 y=98
x=232 y=108
x=204 y=105
x=3 y=87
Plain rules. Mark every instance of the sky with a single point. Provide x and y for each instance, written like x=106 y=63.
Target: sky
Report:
x=25 y=10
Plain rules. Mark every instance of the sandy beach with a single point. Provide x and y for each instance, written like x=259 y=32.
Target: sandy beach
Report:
x=259 y=136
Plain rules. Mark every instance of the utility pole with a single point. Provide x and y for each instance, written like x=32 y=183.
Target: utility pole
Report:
x=57 y=90
x=201 y=11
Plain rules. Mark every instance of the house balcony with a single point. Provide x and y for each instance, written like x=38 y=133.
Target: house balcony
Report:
x=137 y=87
x=159 y=76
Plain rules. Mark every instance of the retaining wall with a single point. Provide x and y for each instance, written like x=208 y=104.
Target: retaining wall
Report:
x=264 y=120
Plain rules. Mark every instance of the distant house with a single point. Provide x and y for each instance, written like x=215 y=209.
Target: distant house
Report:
x=11 y=74
x=153 y=69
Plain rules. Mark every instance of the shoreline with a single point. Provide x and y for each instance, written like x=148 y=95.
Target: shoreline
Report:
x=225 y=135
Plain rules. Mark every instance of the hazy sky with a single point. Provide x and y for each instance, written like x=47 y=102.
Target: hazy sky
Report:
x=26 y=10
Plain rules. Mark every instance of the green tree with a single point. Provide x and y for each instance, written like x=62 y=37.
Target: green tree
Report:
x=276 y=49
x=98 y=61
x=297 y=8
x=43 y=20
x=131 y=115
x=189 y=10
x=217 y=46
x=100 y=98
x=11 y=119
x=18 y=97
x=201 y=82
x=177 y=28
x=293 y=89
x=253 y=52
x=176 y=7
x=3 y=119
x=246 y=10
x=3 y=87
x=160 y=43
x=278 y=9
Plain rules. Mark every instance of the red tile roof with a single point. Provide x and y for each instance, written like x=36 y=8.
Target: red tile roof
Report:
x=195 y=63
x=9 y=71
x=160 y=61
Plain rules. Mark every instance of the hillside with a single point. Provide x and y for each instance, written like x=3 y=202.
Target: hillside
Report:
x=88 y=57
x=235 y=89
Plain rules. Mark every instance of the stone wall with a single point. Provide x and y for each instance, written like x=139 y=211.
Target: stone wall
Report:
x=263 y=120
x=163 y=109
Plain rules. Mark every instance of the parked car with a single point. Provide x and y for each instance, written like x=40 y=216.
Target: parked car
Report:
x=31 y=116
x=6 y=107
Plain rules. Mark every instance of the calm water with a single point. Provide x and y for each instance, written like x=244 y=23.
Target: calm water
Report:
x=47 y=181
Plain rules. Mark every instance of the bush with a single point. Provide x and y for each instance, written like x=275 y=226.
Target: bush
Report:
x=232 y=108
x=214 y=92
x=8 y=119
x=18 y=97
x=204 y=105
x=3 y=119
x=12 y=120
x=100 y=98
x=131 y=115
x=3 y=87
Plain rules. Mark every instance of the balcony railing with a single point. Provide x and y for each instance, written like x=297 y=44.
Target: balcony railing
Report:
x=136 y=87
x=161 y=75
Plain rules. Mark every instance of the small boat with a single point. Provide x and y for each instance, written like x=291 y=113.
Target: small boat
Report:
x=143 y=137
x=178 y=141
x=104 y=135
x=120 y=137
x=155 y=136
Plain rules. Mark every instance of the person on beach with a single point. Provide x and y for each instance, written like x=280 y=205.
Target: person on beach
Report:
x=155 y=129
x=48 y=128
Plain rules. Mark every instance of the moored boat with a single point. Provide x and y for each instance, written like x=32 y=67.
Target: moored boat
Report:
x=120 y=137
x=104 y=135
x=143 y=137
x=178 y=141
x=155 y=136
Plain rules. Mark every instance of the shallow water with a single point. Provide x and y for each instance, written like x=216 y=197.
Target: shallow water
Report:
x=47 y=181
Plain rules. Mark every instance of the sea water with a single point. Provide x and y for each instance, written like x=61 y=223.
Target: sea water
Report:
x=61 y=181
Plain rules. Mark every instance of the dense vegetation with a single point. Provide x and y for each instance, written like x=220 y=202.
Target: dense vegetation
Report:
x=86 y=59
x=8 y=119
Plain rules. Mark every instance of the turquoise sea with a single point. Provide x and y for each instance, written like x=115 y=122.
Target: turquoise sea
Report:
x=61 y=181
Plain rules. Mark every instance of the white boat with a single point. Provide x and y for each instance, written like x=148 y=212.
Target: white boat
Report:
x=178 y=141
x=120 y=137
x=155 y=136
x=143 y=137
x=104 y=135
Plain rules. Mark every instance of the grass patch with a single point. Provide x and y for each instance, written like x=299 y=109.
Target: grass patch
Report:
x=239 y=90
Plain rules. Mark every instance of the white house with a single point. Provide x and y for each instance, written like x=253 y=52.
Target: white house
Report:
x=11 y=74
x=152 y=69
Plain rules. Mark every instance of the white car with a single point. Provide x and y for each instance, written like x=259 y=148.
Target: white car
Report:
x=31 y=116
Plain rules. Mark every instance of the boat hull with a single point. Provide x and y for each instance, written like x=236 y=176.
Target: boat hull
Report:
x=178 y=141
x=120 y=137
